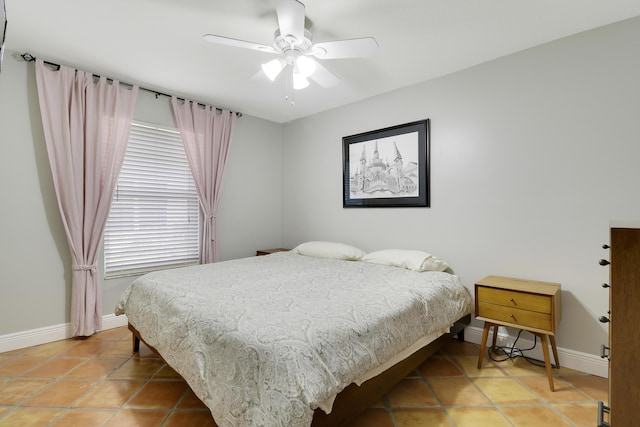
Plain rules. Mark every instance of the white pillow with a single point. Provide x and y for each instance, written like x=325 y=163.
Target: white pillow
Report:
x=409 y=259
x=319 y=249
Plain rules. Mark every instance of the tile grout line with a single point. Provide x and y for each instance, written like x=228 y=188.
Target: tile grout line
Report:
x=545 y=402
x=389 y=409
x=99 y=382
x=458 y=356
x=493 y=404
x=120 y=408
x=62 y=377
x=517 y=379
x=426 y=382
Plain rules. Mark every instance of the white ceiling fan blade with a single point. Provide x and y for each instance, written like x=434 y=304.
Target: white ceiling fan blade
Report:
x=238 y=43
x=291 y=18
x=353 y=48
x=324 y=77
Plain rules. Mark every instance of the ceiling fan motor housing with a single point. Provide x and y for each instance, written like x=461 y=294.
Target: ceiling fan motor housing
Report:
x=288 y=43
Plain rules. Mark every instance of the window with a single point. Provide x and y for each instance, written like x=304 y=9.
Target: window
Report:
x=154 y=220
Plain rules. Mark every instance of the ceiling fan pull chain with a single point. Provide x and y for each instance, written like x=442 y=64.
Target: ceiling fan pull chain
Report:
x=289 y=87
x=290 y=100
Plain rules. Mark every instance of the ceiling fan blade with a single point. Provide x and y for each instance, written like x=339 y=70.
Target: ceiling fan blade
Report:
x=324 y=77
x=238 y=43
x=353 y=48
x=291 y=18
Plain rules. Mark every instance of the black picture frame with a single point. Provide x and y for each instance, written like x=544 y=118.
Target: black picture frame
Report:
x=3 y=32
x=387 y=167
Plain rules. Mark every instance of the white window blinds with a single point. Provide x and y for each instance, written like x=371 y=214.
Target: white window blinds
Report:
x=154 y=220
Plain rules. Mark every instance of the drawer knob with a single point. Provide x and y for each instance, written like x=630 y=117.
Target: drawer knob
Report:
x=606 y=285
x=603 y=319
x=512 y=300
x=604 y=262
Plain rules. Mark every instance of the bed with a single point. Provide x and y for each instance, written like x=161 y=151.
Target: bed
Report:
x=290 y=339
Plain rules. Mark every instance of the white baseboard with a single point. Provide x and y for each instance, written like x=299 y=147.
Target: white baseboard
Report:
x=584 y=362
x=49 y=334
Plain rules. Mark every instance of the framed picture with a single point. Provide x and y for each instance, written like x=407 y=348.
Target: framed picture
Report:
x=387 y=167
x=3 y=31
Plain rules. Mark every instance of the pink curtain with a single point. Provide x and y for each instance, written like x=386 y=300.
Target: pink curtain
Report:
x=206 y=134
x=86 y=127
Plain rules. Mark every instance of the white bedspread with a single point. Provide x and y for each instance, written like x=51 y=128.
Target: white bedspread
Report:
x=263 y=341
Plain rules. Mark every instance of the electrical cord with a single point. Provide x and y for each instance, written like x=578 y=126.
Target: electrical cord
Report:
x=510 y=353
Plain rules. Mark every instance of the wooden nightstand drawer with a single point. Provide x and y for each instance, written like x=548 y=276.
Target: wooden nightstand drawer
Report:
x=515 y=299
x=537 y=297
x=524 y=304
x=519 y=317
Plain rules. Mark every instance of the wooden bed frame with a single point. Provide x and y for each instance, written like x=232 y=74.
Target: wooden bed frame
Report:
x=354 y=399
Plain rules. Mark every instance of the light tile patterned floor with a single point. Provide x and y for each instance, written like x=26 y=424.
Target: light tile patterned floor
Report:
x=98 y=382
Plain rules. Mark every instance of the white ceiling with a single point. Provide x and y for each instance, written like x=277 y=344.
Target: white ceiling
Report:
x=158 y=43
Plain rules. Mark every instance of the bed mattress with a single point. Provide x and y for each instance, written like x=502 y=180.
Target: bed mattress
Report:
x=264 y=341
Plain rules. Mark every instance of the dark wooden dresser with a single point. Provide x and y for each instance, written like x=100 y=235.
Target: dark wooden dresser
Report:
x=624 y=334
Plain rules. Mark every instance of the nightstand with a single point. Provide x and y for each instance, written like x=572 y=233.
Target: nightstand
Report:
x=522 y=304
x=262 y=252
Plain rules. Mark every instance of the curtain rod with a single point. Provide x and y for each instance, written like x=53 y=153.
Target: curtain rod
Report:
x=30 y=58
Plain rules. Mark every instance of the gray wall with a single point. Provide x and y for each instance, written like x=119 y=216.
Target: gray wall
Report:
x=531 y=156
x=34 y=256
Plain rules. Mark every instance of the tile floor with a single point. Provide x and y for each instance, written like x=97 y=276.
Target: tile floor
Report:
x=98 y=382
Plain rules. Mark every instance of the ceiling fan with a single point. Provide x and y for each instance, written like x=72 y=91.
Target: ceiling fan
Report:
x=294 y=43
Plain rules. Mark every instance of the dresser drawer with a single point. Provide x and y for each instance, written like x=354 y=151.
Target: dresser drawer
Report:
x=515 y=299
x=517 y=316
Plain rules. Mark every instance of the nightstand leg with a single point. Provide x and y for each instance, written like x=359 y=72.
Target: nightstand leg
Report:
x=555 y=350
x=547 y=362
x=495 y=338
x=483 y=344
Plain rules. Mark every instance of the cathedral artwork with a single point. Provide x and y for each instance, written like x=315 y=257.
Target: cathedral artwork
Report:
x=386 y=167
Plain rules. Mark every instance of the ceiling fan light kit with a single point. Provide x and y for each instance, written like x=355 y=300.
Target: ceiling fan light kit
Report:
x=294 y=43
x=305 y=65
x=273 y=68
